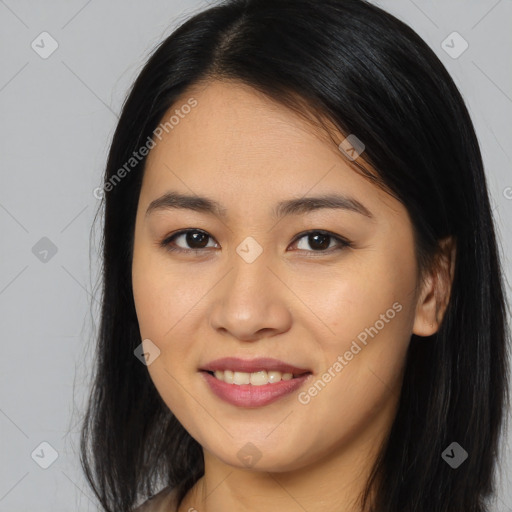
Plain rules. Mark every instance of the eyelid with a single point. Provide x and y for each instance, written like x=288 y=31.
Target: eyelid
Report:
x=165 y=242
x=342 y=242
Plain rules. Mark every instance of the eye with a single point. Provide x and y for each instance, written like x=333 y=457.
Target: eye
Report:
x=319 y=241
x=197 y=240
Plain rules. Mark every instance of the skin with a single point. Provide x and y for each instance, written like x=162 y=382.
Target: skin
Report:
x=293 y=303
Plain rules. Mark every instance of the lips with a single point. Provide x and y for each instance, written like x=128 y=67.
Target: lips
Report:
x=236 y=364
x=249 y=396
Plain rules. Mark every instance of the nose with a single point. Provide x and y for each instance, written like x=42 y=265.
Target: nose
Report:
x=251 y=302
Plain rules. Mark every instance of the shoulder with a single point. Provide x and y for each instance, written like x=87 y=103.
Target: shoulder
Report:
x=163 y=501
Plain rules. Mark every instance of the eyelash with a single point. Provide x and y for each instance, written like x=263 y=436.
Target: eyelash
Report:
x=343 y=243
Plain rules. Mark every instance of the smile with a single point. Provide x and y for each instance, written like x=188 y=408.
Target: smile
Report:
x=250 y=395
x=256 y=379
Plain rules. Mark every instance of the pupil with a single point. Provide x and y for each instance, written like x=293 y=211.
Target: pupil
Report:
x=194 y=236
x=324 y=238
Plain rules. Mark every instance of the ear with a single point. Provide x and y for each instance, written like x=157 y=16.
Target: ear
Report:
x=435 y=290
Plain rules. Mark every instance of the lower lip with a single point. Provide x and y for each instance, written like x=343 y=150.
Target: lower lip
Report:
x=247 y=395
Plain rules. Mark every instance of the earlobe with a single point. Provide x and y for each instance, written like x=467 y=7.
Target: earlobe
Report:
x=435 y=290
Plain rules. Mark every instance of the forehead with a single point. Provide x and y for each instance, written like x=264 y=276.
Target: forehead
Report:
x=241 y=146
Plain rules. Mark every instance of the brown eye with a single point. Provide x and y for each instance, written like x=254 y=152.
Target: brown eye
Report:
x=320 y=241
x=194 y=240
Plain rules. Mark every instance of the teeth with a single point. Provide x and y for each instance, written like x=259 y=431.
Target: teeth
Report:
x=241 y=378
x=256 y=379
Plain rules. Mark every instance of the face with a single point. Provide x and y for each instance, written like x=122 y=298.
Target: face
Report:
x=330 y=290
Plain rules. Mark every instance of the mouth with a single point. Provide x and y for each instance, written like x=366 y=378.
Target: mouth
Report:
x=252 y=383
x=258 y=372
x=259 y=378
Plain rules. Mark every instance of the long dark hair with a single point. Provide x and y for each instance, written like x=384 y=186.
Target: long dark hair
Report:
x=371 y=75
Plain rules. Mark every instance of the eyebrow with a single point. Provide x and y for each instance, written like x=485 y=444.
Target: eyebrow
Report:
x=171 y=200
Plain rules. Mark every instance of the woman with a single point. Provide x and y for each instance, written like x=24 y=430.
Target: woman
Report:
x=303 y=306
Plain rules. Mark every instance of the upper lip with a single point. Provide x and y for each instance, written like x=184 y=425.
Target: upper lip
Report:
x=252 y=365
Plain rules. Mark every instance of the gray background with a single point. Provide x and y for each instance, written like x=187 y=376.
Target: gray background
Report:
x=58 y=115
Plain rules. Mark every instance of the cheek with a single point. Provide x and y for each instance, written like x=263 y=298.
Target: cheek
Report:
x=162 y=305
x=168 y=307
x=354 y=294
x=154 y=296
x=161 y=297
x=368 y=309
x=368 y=304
